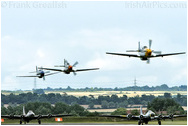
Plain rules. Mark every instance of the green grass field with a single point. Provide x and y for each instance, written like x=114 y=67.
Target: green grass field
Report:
x=98 y=120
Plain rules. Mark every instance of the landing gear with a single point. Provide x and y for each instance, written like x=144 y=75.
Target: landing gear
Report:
x=20 y=122
x=39 y=121
x=140 y=122
x=159 y=122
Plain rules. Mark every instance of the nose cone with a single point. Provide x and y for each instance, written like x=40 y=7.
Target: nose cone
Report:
x=148 y=52
x=70 y=67
x=41 y=73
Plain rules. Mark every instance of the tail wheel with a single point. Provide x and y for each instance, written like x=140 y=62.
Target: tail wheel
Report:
x=159 y=122
x=39 y=121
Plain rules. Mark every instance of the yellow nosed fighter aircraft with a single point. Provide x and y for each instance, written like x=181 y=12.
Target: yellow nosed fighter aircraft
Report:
x=145 y=53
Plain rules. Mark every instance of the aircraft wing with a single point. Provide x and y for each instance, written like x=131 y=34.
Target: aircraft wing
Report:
x=11 y=116
x=53 y=69
x=121 y=54
x=114 y=116
x=50 y=116
x=169 y=116
x=173 y=116
x=78 y=70
x=121 y=116
x=176 y=116
x=169 y=54
x=51 y=73
x=28 y=76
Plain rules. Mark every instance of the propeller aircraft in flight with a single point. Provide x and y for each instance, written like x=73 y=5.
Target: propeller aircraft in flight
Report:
x=68 y=68
x=145 y=53
x=40 y=74
x=26 y=118
x=145 y=118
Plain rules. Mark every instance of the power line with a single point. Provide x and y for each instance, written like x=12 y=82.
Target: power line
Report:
x=135 y=81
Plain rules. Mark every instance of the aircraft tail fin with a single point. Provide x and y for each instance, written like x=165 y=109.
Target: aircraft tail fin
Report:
x=36 y=69
x=24 y=110
x=66 y=64
x=141 y=110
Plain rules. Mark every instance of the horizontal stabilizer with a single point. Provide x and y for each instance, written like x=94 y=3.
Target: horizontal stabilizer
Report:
x=132 y=51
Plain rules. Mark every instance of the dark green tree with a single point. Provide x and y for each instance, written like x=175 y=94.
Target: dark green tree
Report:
x=135 y=112
x=91 y=105
x=104 y=104
x=119 y=111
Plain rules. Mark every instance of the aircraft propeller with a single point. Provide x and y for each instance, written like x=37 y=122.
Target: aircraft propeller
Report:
x=39 y=116
x=171 y=116
x=74 y=65
x=148 y=61
x=150 y=42
x=129 y=116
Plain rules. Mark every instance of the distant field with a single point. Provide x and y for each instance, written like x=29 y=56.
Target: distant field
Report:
x=118 y=93
x=121 y=93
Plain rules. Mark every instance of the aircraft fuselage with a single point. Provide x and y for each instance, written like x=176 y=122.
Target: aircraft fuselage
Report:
x=40 y=73
x=68 y=69
x=26 y=118
x=145 y=53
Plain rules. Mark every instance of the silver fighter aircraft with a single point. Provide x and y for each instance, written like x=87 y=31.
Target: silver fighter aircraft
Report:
x=145 y=53
x=39 y=74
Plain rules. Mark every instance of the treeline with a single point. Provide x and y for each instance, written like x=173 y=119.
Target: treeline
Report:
x=163 y=87
x=44 y=108
x=112 y=101
x=157 y=105
x=165 y=104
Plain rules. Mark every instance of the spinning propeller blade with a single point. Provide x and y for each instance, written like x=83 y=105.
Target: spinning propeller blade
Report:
x=43 y=78
x=74 y=73
x=139 y=47
x=150 y=42
x=148 y=61
x=75 y=64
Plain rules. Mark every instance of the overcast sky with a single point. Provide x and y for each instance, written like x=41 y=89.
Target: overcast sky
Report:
x=44 y=33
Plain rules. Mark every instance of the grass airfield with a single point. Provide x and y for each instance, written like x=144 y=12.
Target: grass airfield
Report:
x=95 y=121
